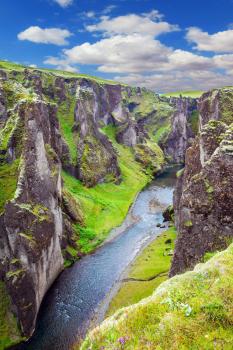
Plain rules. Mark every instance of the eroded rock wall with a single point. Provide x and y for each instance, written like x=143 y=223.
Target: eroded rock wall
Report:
x=203 y=199
x=181 y=132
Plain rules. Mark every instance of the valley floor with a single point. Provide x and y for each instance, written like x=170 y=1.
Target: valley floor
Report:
x=146 y=273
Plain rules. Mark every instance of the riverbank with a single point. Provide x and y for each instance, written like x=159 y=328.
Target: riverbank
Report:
x=146 y=273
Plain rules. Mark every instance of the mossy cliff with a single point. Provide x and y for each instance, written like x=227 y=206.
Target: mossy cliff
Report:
x=74 y=152
x=203 y=198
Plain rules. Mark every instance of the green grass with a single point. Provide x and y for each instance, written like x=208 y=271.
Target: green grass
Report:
x=9 y=333
x=9 y=66
x=194 y=122
x=191 y=311
x=193 y=94
x=161 y=133
x=8 y=182
x=106 y=205
x=153 y=261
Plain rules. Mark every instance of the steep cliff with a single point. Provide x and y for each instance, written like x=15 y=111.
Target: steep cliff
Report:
x=203 y=198
x=74 y=152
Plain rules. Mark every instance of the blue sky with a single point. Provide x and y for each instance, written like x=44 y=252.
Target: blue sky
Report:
x=164 y=45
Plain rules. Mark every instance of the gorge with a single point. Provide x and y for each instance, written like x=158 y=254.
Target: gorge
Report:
x=74 y=153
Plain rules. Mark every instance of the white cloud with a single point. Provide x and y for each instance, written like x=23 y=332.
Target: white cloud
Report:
x=185 y=60
x=121 y=54
x=54 y=36
x=60 y=64
x=90 y=14
x=64 y=3
x=177 y=80
x=218 y=42
x=109 y=9
x=145 y=24
x=33 y=65
x=128 y=48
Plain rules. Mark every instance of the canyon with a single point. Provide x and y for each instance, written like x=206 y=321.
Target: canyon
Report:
x=66 y=140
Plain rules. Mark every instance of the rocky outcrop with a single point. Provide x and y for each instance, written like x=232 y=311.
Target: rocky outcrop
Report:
x=203 y=198
x=96 y=155
x=31 y=224
x=182 y=129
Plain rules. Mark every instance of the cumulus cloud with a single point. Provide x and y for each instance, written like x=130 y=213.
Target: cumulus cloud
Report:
x=90 y=14
x=218 y=42
x=129 y=48
x=120 y=49
x=145 y=24
x=54 y=36
x=177 y=80
x=121 y=54
x=60 y=64
x=64 y=3
x=108 y=9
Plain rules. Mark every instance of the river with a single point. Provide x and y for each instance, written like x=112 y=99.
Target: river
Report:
x=80 y=294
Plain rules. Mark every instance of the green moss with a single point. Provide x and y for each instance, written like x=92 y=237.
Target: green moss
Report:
x=194 y=122
x=66 y=119
x=161 y=133
x=14 y=273
x=188 y=223
x=180 y=173
x=38 y=210
x=151 y=266
x=9 y=332
x=8 y=182
x=71 y=251
x=94 y=161
x=150 y=156
x=208 y=256
x=27 y=236
x=209 y=188
x=226 y=105
x=189 y=311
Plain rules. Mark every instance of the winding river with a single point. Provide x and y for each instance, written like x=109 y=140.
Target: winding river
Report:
x=78 y=298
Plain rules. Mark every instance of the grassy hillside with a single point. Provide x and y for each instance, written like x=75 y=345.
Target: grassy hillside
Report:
x=193 y=94
x=19 y=67
x=147 y=272
x=188 y=312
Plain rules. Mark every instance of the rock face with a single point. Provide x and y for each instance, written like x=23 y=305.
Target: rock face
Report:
x=31 y=225
x=96 y=155
x=203 y=198
x=182 y=128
